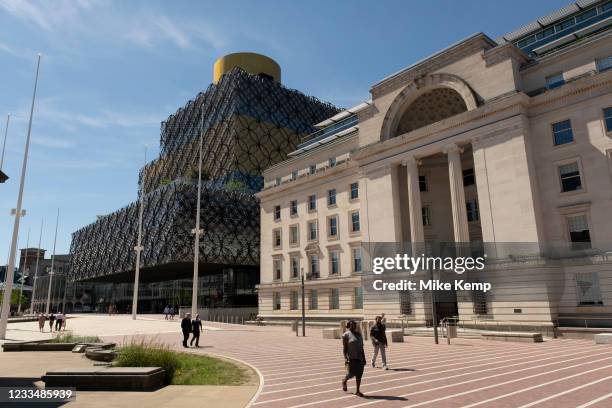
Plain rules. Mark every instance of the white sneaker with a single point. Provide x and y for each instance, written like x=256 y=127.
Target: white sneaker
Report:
x=385 y=367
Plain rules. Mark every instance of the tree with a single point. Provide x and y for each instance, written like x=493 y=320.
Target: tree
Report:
x=15 y=298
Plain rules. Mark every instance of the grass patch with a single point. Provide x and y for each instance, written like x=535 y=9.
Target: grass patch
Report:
x=181 y=368
x=205 y=370
x=68 y=337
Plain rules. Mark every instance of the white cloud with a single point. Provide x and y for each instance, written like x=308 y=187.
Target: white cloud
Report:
x=53 y=142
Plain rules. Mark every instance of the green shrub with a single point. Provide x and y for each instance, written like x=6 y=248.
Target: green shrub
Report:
x=149 y=354
x=68 y=337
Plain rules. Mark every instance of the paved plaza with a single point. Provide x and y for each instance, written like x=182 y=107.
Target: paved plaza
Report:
x=307 y=372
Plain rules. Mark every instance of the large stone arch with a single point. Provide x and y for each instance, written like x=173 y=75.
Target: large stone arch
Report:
x=419 y=87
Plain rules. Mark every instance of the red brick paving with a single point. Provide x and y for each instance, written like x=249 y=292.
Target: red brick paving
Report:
x=307 y=372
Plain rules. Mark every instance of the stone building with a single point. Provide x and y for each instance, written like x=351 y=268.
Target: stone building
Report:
x=504 y=146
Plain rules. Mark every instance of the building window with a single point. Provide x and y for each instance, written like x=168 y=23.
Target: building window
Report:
x=294 y=175
x=293 y=303
x=562 y=132
x=587 y=286
x=332 y=162
x=277 y=265
x=334 y=263
x=312 y=230
x=472 y=210
x=608 y=119
x=355 y=223
x=276 y=238
x=331 y=197
x=604 y=64
x=580 y=236
x=555 y=81
x=278 y=181
x=570 y=177
x=426 y=216
x=422 y=183
x=479 y=302
x=332 y=224
x=277 y=212
x=314 y=266
x=334 y=299
x=354 y=191
x=313 y=300
x=468 y=177
x=293 y=209
x=405 y=303
x=294 y=234
x=312 y=202
x=358 y=298
x=356 y=255
x=295 y=267
x=312 y=169
x=276 y=300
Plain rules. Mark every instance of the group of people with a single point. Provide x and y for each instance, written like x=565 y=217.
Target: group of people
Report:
x=58 y=320
x=354 y=354
x=170 y=311
x=194 y=327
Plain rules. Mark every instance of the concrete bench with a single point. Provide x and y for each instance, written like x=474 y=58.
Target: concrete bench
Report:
x=107 y=379
x=395 y=336
x=603 y=338
x=38 y=346
x=522 y=337
x=100 y=354
x=331 y=333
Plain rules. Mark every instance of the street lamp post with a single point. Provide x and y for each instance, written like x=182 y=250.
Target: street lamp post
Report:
x=10 y=273
x=51 y=272
x=138 y=248
x=197 y=231
x=36 y=268
x=303 y=306
x=25 y=269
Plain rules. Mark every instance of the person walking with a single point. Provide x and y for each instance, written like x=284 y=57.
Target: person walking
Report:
x=51 y=321
x=186 y=328
x=58 y=321
x=166 y=312
x=379 y=341
x=354 y=356
x=41 y=322
x=196 y=327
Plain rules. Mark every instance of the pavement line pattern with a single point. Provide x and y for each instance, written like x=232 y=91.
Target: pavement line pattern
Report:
x=307 y=371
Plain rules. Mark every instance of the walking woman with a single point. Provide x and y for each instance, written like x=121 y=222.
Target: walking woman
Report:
x=196 y=328
x=354 y=356
x=41 y=322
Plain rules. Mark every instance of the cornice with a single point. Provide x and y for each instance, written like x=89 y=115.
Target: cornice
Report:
x=476 y=43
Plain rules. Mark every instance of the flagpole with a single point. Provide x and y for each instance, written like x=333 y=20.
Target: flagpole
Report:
x=52 y=265
x=25 y=268
x=36 y=269
x=139 y=246
x=8 y=119
x=10 y=273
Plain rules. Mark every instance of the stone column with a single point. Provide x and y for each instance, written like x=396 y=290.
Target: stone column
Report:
x=455 y=175
x=414 y=202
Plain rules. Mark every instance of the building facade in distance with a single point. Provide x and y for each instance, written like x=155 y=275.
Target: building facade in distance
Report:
x=244 y=122
x=503 y=146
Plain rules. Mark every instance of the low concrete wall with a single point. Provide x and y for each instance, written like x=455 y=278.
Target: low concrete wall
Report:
x=107 y=379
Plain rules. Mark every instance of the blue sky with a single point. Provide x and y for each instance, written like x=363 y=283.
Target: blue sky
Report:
x=113 y=70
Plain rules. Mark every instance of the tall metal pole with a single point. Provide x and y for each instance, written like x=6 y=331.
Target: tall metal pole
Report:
x=51 y=272
x=25 y=269
x=8 y=119
x=10 y=273
x=303 y=306
x=138 y=248
x=197 y=231
x=36 y=269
